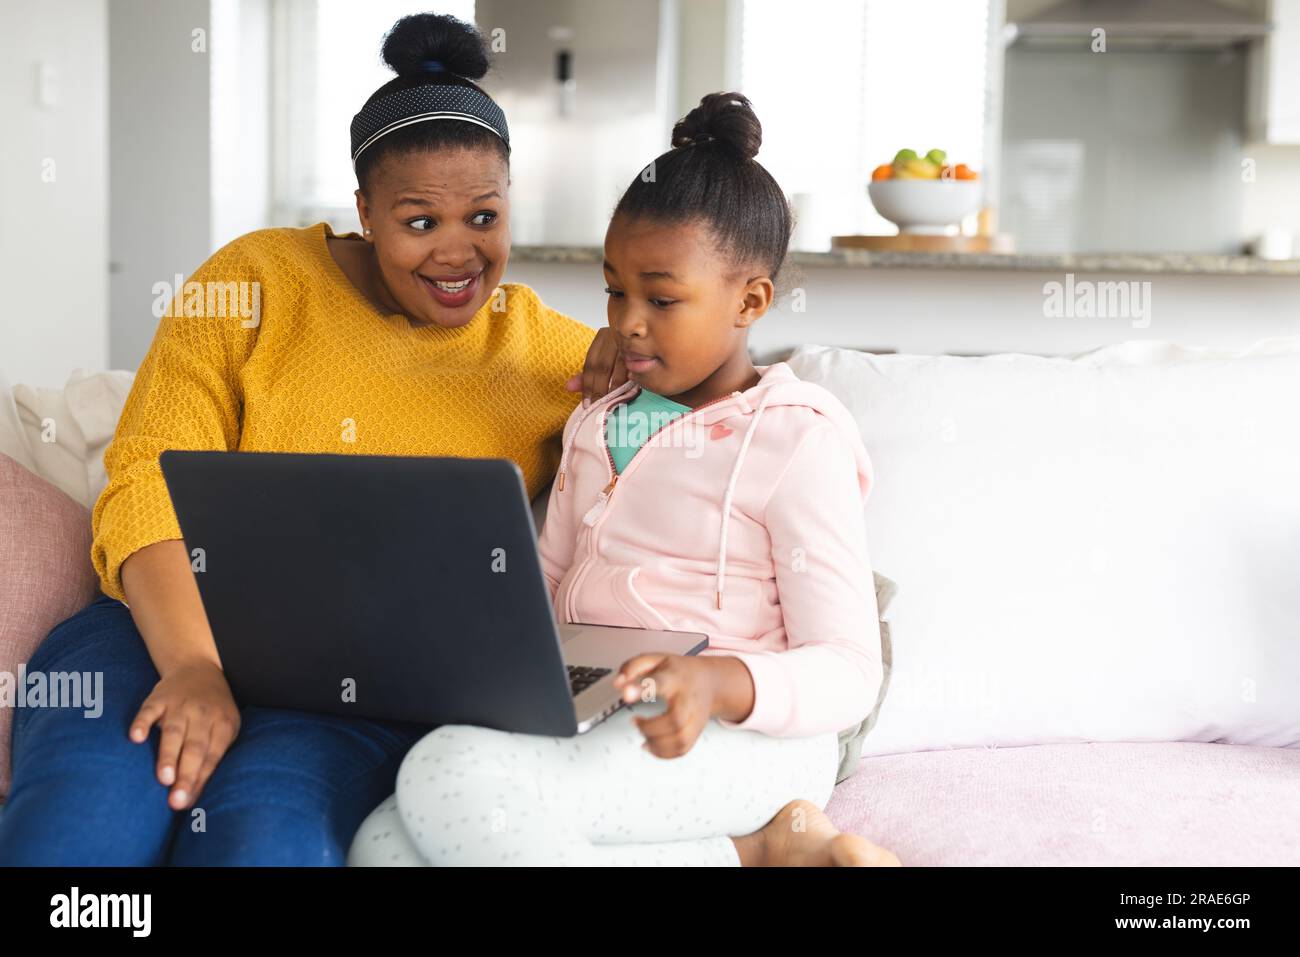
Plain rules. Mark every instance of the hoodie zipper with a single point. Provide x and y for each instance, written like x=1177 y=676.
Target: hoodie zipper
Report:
x=602 y=500
x=608 y=491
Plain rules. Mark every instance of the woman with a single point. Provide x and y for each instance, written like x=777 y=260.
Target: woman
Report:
x=400 y=342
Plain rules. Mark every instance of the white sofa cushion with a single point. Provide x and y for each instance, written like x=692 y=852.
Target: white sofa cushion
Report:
x=1098 y=548
x=68 y=429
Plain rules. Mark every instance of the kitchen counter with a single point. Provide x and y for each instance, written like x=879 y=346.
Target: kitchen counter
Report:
x=1145 y=263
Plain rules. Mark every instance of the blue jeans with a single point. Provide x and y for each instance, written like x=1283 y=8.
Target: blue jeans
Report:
x=291 y=790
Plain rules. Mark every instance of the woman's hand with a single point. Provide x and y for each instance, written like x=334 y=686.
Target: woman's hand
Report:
x=191 y=701
x=199 y=719
x=603 y=371
x=696 y=689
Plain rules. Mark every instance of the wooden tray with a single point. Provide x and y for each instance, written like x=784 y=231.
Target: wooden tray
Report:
x=921 y=243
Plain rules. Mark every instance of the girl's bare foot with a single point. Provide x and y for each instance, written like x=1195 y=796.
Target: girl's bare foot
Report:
x=801 y=835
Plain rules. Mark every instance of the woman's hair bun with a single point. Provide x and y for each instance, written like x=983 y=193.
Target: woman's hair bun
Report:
x=457 y=45
x=727 y=119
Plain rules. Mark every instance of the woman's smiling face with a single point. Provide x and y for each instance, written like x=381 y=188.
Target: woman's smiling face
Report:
x=441 y=230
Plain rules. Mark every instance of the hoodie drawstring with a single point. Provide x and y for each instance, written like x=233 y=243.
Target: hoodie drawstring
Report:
x=731 y=488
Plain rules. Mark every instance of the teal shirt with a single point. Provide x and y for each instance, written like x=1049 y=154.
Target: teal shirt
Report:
x=631 y=424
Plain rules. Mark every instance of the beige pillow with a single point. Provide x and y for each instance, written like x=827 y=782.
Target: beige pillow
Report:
x=851 y=738
x=68 y=429
x=12 y=441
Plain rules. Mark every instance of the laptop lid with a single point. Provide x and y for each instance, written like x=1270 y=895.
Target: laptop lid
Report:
x=384 y=587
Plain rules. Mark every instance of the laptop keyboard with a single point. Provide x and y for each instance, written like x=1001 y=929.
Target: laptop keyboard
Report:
x=581 y=678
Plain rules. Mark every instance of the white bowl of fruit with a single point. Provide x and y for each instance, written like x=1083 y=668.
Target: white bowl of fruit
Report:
x=924 y=194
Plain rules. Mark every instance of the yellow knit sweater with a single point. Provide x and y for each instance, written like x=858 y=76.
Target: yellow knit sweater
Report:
x=319 y=369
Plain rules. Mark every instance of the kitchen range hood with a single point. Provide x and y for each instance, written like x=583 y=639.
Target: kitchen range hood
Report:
x=1159 y=24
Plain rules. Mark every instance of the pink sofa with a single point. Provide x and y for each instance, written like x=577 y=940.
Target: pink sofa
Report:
x=1161 y=804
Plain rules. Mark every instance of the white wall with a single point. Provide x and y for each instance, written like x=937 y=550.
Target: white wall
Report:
x=971 y=312
x=240 y=51
x=53 y=191
x=703 y=48
x=160 y=203
x=1272 y=201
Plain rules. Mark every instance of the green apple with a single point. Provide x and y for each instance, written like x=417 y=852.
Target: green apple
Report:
x=903 y=156
x=937 y=157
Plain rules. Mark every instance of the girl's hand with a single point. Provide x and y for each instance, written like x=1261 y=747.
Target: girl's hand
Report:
x=689 y=686
x=604 y=370
x=199 y=719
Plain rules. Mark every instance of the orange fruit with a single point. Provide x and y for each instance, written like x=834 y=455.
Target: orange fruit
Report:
x=884 y=171
x=965 y=172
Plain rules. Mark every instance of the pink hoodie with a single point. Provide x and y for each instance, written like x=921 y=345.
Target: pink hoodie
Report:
x=753 y=536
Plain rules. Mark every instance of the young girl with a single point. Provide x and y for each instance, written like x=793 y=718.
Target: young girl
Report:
x=705 y=494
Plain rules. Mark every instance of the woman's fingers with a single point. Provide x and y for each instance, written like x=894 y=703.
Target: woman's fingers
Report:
x=600 y=363
x=619 y=375
x=599 y=369
x=169 y=748
x=223 y=733
x=193 y=754
x=198 y=719
x=589 y=369
x=587 y=375
x=149 y=713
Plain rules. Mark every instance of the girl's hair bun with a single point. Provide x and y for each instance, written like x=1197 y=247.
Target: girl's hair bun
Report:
x=457 y=45
x=727 y=119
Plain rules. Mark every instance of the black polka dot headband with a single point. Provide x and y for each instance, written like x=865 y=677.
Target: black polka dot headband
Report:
x=420 y=104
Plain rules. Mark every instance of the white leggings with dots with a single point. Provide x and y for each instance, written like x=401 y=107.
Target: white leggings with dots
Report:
x=474 y=796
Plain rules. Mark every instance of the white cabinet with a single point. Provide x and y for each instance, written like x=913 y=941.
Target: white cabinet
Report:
x=1274 y=115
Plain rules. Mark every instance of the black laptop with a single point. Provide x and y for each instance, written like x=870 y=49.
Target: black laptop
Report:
x=398 y=588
